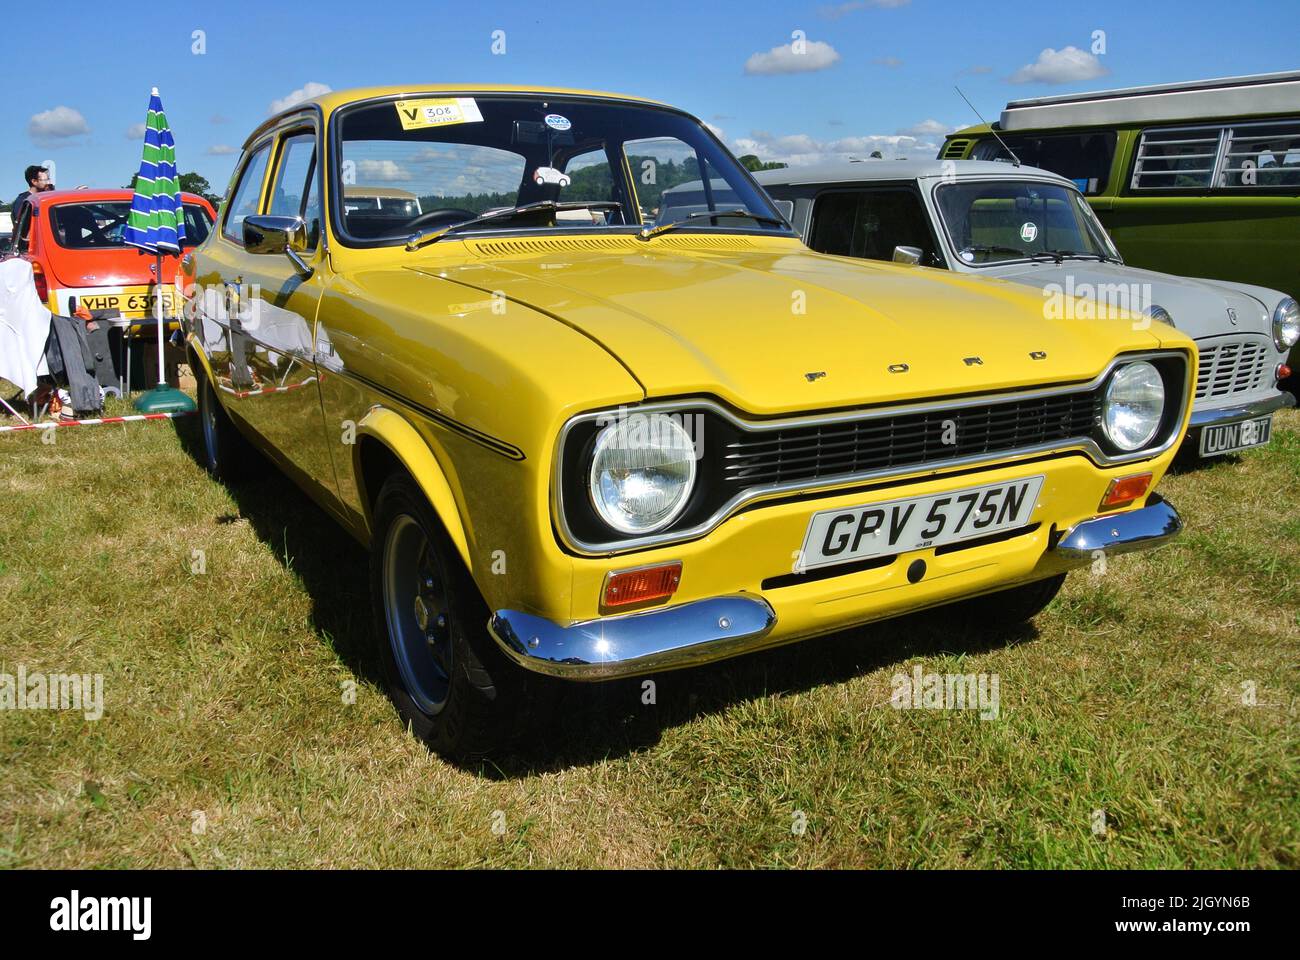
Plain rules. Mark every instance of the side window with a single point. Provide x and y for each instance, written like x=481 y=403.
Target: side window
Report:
x=870 y=224
x=1176 y=158
x=244 y=200
x=294 y=193
x=1085 y=158
x=1262 y=155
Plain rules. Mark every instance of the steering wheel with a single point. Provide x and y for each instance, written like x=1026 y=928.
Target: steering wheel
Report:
x=450 y=215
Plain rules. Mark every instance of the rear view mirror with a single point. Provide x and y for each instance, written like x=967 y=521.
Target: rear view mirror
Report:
x=908 y=255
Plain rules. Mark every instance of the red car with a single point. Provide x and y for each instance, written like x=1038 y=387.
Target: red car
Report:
x=73 y=239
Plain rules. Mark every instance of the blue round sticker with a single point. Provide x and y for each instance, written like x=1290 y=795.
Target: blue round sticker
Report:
x=557 y=122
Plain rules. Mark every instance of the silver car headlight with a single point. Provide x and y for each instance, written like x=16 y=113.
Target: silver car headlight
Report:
x=1159 y=314
x=1286 y=324
x=642 y=472
x=1133 y=406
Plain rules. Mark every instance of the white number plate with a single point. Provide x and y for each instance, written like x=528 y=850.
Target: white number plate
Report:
x=915 y=523
x=1235 y=436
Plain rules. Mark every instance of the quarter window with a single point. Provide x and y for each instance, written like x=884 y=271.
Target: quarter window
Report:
x=295 y=193
x=244 y=201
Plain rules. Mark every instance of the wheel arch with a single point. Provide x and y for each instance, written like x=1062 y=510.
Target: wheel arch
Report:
x=387 y=441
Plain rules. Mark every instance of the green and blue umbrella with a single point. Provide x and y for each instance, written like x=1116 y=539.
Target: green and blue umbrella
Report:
x=157 y=223
x=157 y=220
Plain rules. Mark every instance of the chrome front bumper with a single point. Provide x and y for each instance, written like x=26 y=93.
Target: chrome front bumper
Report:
x=704 y=630
x=1239 y=411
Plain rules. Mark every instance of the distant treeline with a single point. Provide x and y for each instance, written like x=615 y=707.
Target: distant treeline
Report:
x=593 y=183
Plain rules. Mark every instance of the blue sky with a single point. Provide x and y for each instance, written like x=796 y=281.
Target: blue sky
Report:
x=871 y=72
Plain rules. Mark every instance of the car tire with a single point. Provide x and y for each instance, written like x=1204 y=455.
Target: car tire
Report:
x=1008 y=609
x=227 y=454
x=451 y=683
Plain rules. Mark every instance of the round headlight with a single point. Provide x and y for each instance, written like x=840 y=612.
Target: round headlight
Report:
x=1159 y=314
x=642 y=472
x=1286 y=324
x=1133 y=406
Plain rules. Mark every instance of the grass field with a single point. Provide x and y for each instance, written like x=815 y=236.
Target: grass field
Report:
x=227 y=738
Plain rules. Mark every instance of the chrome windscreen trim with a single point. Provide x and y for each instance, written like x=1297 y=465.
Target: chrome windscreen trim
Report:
x=769 y=491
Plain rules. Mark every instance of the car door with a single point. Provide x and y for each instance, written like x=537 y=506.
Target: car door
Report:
x=263 y=313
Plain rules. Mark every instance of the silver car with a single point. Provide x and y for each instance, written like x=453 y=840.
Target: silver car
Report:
x=1026 y=225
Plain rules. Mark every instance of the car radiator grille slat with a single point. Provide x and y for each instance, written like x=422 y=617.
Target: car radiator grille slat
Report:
x=799 y=453
x=1232 y=366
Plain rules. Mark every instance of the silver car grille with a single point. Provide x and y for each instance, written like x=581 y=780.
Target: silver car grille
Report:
x=1232 y=365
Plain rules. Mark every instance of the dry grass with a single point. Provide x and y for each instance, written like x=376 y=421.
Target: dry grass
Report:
x=223 y=694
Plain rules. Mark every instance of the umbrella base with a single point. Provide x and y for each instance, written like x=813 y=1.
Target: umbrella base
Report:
x=163 y=399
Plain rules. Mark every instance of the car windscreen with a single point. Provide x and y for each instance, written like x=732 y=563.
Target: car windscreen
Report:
x=462 y=157
x=996 y=221
x=99 y=225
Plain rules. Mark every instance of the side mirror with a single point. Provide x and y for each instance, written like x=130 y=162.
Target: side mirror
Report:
x=283 y=235
x=908 y=255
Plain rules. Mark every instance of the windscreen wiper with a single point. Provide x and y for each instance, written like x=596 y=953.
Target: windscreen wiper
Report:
x=650 y=232
x=1085 y=254
x=1000 y=248
x=423 y=238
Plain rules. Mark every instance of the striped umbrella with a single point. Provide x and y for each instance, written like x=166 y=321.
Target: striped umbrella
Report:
x=157 y=224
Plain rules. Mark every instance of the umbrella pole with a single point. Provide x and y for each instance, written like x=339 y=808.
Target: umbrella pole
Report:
x=158 y=310
x=162 y=398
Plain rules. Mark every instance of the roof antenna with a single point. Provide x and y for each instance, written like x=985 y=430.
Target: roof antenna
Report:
x=1009 y=151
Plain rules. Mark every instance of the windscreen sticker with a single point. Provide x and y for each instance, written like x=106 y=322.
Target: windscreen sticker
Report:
x=557 y=122
x=417 y=114
x=1028 y=231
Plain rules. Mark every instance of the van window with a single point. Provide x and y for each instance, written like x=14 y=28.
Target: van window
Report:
x=1177 y=158
x=1084 y=158
x=1262 y=155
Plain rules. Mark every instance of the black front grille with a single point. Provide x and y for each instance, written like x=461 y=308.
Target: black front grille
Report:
x=806 y=453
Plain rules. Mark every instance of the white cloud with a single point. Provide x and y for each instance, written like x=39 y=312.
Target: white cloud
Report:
x=305 y=92
x=888 y=61
x=381 y=171
x=815 y=55
x=57 y=124
x=928 y=128
x=135 y=131
x=220 y=150
x=844 y=9
x=1066 y=65
x=801 y=149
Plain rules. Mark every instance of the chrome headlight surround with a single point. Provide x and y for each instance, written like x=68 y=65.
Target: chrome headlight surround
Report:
x=643 y=471
x=1286 y=323
x=1159 y=314
x=1133 y=405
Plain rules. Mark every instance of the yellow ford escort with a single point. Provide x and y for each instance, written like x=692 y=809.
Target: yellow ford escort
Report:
x=597 y=412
